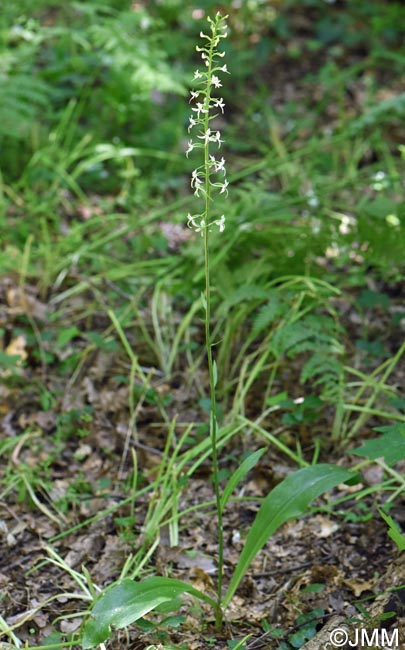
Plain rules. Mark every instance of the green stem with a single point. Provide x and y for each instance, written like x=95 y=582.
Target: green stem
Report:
x=208 y=344
x=213 y=434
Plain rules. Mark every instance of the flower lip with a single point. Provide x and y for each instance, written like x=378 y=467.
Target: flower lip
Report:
x=192 y=122
x=219 y=103
x=219 y=165
x=200 y=109
x=224 y=187
x=220 y=223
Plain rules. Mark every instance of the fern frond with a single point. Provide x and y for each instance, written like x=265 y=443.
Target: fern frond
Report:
x=22 y=99
x=268 y=314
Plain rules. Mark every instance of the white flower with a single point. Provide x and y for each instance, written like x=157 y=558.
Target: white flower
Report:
x=217 y=138
x=224 y=187
x=196 y=182
x=194 y=94
x=208 y=137
x=224 y=68
x=197 y=75
x=190 y=147
x=220 y=223
x=197 y=187
x=218 y=103
x=200 y=109
x=192 y=123
x=194 y=177
x=379 y=176
x=198 y=224
x=312 y=199
x=192 y=222
x=219 y=165
x=215 y=81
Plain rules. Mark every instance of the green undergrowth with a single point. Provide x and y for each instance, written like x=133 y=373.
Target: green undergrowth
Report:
x=96 y=260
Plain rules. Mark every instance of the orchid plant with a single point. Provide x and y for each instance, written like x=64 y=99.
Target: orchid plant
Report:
x=204 y=181
x=127 y=600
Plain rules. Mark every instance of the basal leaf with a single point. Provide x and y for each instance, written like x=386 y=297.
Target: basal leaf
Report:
x=287 y=500
x=126 y=602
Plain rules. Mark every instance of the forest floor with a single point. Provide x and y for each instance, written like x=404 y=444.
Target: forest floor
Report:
x=68 y=470
x=80 y=456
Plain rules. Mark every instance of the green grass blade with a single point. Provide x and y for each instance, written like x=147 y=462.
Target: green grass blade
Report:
x=240 y=473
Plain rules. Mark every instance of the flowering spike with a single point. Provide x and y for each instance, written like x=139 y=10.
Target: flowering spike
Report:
x=202 y=178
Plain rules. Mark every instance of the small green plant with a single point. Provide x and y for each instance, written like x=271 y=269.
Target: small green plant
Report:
x=128 y=601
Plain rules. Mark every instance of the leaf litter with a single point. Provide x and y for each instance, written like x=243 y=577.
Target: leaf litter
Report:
x=78 y=508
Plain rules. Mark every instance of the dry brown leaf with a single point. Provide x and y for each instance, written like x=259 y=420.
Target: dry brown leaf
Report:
x=70 y=625
x=17 y=347
x=201 y=580
x=322 y=526
x=20 y=302
x=359 y=586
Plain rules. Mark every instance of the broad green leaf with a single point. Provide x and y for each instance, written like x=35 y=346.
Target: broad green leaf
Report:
x=287 y=500
x=371 y=299
x=240 y=473
x=393 y=531
x=381 y=206
x=390 y=446
x=67 y=334
x=9 y=360
x=276 y=400
x=126 y=602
